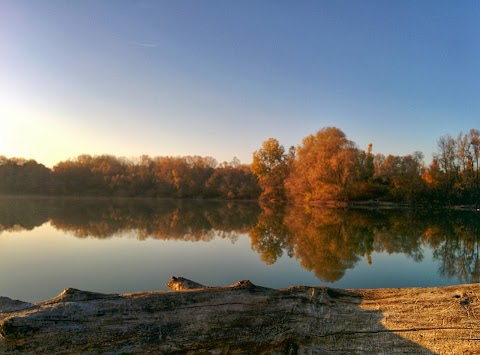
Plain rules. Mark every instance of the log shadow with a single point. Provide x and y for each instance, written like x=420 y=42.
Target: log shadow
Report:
x=348 y=328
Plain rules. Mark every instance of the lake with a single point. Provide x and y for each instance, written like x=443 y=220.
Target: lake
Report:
x=129 y=245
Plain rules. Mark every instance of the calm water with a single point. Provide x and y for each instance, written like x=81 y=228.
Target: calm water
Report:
x=116 y=246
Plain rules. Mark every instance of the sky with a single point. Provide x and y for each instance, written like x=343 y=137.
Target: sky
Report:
x=217 y=78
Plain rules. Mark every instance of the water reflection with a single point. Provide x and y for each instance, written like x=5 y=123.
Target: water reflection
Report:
x=143 y=218
x=326 y=242
x=330 y=241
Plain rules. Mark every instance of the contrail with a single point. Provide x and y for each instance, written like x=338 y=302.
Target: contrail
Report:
x=141 y=44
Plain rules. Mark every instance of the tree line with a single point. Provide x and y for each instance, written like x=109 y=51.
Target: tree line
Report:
x=325 y=167
x=328 y=167
x=107 y=175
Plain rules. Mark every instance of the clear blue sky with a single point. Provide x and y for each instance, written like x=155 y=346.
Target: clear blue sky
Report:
x=218 y=78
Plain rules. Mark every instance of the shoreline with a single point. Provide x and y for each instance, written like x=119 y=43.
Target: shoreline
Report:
x=386 y=205
x=353 y=205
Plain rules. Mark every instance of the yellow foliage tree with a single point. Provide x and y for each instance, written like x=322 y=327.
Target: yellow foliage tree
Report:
x=270 y=165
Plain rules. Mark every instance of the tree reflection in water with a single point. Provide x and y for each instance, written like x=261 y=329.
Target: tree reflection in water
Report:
x=330 y=241
x=324 y=241
x=142 y=218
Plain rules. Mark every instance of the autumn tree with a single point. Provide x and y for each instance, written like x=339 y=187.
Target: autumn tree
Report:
x=446 y=161
x=324 y=167
x=270 y=165
x=475 y=144
x=458 y=167
x=72 y=177
x=369 y=168
x=20 y=176
x=229 y=182
x=174 y=177
x=364 y=186
x=401 y=176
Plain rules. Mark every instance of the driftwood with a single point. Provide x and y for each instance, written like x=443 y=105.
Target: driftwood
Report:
x=244 y=318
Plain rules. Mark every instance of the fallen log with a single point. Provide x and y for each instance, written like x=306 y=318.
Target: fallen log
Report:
x=244 y=318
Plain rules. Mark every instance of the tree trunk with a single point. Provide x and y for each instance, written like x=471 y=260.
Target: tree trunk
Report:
x=244 y=318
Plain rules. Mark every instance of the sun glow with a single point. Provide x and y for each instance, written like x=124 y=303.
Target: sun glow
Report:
x=33 y=134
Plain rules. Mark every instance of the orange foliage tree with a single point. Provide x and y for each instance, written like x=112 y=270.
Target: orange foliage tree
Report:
x=324 y=168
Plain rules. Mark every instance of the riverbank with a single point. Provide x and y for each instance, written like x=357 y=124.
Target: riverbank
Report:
x=387 y=205
x=246 y=318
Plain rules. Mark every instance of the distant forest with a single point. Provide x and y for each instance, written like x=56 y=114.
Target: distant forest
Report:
x=106 y=175
x=325 y=167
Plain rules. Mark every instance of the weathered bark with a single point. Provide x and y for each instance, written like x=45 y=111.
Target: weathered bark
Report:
x=244 y=318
